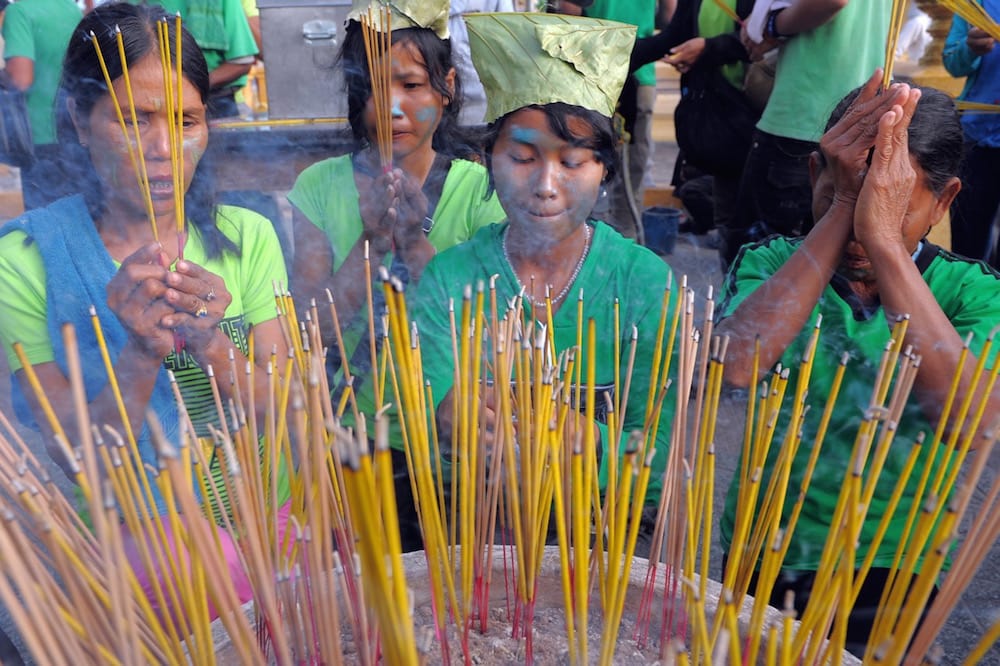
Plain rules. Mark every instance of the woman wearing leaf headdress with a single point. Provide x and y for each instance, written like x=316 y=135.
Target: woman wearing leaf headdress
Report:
x=431 y=198
x=552 y=82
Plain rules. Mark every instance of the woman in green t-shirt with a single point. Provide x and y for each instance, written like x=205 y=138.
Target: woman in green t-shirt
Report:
x=435 y=196
x=98 y=252
x=550 y=149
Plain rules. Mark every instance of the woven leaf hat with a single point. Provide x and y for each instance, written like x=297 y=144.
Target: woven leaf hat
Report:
x=525 y=59
x=430 y=14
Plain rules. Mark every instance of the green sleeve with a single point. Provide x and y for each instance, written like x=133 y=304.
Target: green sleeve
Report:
x=978 y=311
x=261 y=262
x=753 y=267
x=240 y=42
x=22 y=301
x=486 y=210
x=17 y=33
x=490 y=211
x=308 y=193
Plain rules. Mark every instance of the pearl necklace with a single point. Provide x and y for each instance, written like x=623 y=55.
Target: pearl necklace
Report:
x=572 y=278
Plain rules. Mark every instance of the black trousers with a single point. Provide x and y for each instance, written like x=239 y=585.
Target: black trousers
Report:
x=975 y=208
x=775 y=195
x=862 y=617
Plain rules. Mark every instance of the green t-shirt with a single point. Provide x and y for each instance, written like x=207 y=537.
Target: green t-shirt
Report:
x=969 y=294
x=817 y=68
x=615 y=269
x=220 y=27
x=249 y=278
x=40 y=30
x=640 y=13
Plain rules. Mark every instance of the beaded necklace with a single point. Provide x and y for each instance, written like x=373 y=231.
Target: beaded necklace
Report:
x=572 y=278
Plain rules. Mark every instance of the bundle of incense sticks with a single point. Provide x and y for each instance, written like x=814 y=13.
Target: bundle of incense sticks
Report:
x=173 y=88
x=174 y=98
x=974 y=14
x=332 y=587
x=896 y=21
x=133 y=141
x=376 y=28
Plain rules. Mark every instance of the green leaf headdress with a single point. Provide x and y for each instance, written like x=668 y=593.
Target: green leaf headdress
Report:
x=525 y=59
x=430 y=14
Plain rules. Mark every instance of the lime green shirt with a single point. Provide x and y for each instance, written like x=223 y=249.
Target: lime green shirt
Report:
x=40 y=30
x=249 y=277
x=818 y=67
x=640 y=13
x=250 y=8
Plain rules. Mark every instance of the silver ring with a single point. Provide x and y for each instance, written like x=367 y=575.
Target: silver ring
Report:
x=211 y=294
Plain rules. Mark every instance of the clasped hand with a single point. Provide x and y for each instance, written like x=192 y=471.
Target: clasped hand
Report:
x=393 y=209
x=868 y=152
x=155 y=304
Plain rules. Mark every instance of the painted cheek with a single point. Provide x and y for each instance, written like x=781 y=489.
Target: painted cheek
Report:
x=506 y=181
x=194 y=148
x=426 y=114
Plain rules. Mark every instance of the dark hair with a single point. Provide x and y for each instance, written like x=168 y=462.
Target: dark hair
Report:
x=449 y=138
x=602 y=139
x=934 y=138
x=83 y=82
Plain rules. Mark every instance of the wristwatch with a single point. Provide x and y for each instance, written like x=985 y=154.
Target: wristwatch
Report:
x=771 y=29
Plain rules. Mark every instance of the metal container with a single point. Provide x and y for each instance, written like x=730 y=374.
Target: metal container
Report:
x=301 y=40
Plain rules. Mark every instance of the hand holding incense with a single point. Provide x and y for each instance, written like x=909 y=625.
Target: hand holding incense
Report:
x=200 y=299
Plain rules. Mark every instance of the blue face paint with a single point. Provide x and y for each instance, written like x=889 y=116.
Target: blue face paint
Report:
x=523 y=134
x=426 y=114
x=397 y=112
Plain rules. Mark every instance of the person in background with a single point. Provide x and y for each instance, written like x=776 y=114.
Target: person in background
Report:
x=346 y=208
x=636 y=105
x=224 y=36
x=702 y=42
x=35 y=34
x=864 y=264
x=253 y=20
x=971 y=52
x=827 y=47
x=474 y=98
x=914 y=37
x=97 y=249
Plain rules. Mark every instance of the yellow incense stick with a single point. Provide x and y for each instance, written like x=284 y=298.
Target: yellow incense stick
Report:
x=142 y=174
